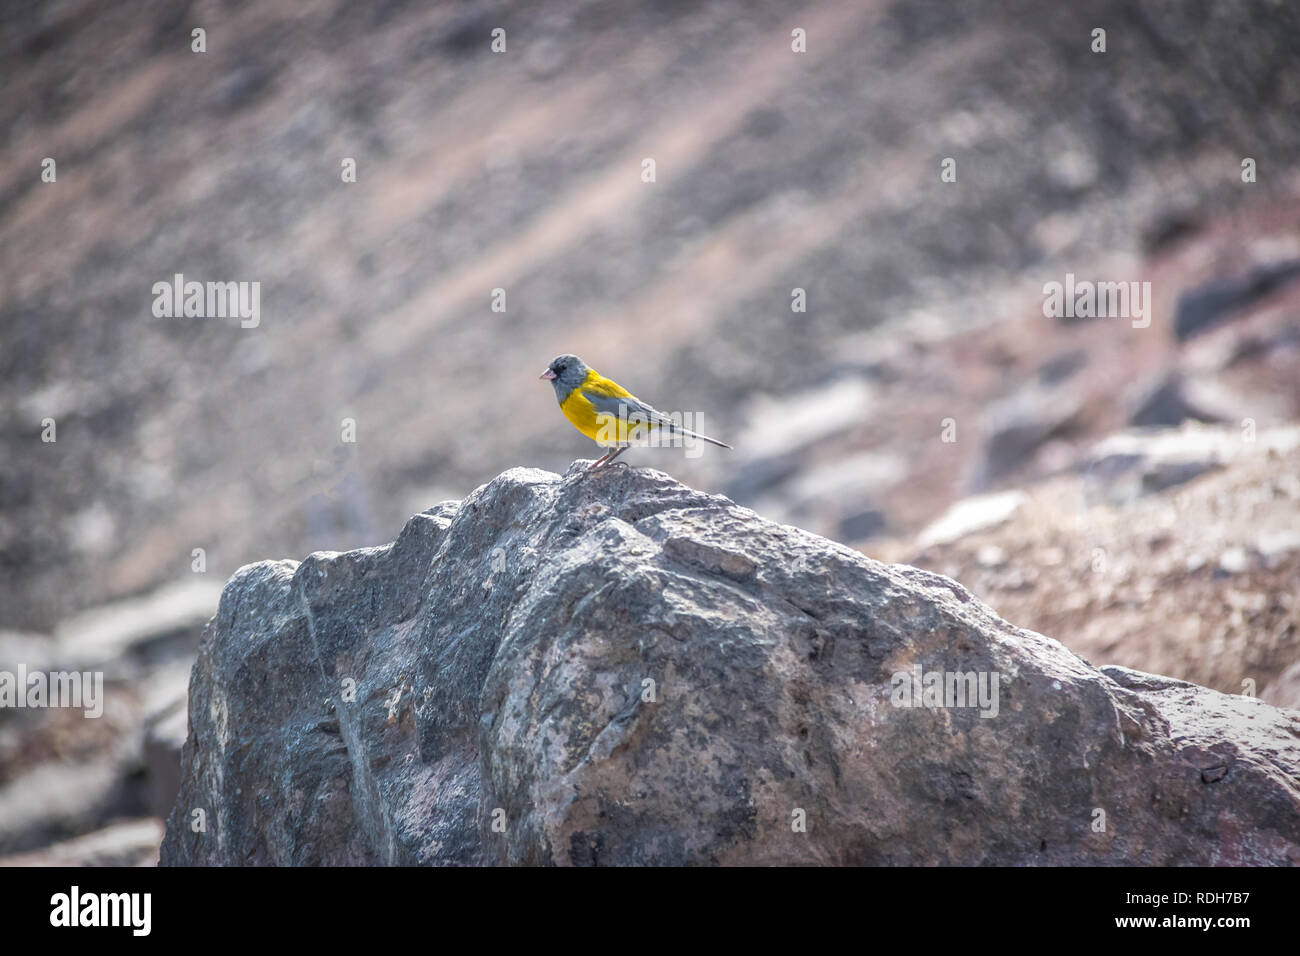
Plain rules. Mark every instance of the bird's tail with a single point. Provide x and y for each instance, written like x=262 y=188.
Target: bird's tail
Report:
x=686 y=431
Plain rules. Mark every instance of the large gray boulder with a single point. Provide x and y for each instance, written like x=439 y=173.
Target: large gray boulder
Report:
x=616 y=669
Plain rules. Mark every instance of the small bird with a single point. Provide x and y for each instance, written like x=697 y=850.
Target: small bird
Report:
x=605 y=411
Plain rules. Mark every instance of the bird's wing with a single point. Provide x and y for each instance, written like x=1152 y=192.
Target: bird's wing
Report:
x=610 y=398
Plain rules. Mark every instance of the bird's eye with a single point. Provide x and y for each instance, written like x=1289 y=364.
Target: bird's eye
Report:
x=559 y=369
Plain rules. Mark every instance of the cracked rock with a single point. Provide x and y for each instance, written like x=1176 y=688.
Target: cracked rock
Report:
x=659 y=676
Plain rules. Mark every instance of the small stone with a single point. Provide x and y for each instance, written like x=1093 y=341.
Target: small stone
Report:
x=1234 y=560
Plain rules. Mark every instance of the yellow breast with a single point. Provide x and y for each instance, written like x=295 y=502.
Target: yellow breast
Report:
x=582 y=414
x=603 y=428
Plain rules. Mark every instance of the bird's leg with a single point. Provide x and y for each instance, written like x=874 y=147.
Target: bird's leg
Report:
x=601 y=460
x=608 y=457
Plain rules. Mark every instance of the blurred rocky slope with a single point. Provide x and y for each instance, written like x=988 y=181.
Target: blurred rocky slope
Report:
x=78 y=790
x=522 y=171
x=1174 y=553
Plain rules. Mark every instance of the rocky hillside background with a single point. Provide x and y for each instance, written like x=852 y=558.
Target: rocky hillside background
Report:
x=1145 y=510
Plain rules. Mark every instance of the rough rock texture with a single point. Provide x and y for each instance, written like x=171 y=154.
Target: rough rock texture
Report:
x=502 y=651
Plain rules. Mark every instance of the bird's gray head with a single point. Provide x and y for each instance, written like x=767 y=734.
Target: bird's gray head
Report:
x=565 y=373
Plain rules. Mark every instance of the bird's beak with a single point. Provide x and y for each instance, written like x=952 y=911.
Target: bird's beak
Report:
x=548 y=375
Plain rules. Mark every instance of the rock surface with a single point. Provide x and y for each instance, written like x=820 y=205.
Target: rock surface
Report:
x=616 y=669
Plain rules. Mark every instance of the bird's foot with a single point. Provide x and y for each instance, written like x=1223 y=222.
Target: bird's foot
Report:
x=607 y=458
